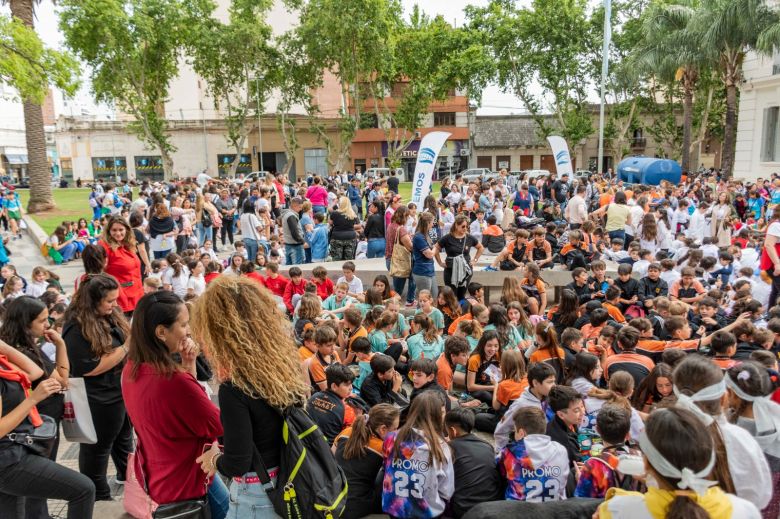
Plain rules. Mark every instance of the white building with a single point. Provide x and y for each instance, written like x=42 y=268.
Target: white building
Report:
x=758 y=131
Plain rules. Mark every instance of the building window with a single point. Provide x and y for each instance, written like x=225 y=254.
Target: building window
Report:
x=109 y=168
x=399 y=89
x=776 y=63
x=444 y=119
x=224 y=162
x=368 y=121
x=149 y=167
x=314 y=161
x=770 y=142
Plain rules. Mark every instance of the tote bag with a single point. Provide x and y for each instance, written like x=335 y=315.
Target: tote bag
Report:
x=77 y=418
x=401 y=260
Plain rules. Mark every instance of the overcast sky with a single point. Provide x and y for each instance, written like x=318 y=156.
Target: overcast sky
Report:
x=494 y=101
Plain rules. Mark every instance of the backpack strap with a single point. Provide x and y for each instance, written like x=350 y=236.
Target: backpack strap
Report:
x=260 y=467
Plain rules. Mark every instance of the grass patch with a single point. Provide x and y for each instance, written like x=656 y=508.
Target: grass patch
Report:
x=405 y=191
x=72 y=204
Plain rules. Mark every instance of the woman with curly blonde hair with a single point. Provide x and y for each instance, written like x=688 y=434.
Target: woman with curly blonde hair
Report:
x=254 y=355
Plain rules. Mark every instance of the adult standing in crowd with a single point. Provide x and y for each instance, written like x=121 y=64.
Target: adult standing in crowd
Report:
x=458 y=243
x=318 y=196
x=141 y=242
x=343 y=233
x=398 y=236
x=720 y=222
x=24 y=474
x=95 y=332
x=423 y=272
x=227 y=210
x=25 y=325
x=618 y=216
x=118 y=241
x=259 y=363
x=162 y=231
x=770 y=256
x=251 y=230
x=172 y=415
x=375 y=230
x=577 y=210
x=292 y=233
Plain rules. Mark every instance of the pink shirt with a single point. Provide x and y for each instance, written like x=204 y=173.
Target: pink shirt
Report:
x=317 y=195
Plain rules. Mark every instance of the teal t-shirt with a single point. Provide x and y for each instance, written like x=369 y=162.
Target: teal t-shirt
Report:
x=420 y=348
x=364 y=308
x=378 y=340
x=364 y=370
x=514 y=337
x=330 y=304
x=436 y=316
x=400 y=328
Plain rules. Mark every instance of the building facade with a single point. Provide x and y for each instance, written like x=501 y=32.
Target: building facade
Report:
x=758 y=131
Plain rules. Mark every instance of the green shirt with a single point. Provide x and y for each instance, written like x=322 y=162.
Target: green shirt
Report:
x=436 y=316
x=420 y=348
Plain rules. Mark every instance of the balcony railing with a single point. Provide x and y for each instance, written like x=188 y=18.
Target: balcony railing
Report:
x=640 y=142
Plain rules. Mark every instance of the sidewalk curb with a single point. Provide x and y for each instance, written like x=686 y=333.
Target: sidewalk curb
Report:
x=36 y=233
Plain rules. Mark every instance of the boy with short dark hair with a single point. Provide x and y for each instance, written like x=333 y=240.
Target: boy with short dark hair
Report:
x=629 y=287
x=535 y=467
x=652 y=286
x=383 y=385
x=456 y=353
x=328 y=408
x=707 y=316
x=294 y=289
x=580 y=285
x=724 y=346
x=611 y=304
x=573 y=254
x=325 y=338
x=566 y=403
x=599 y=473
x=541 y=379
x=476 y=476
x=274 y=281
x=571 y=342
x=424 y=379
x=354 y=283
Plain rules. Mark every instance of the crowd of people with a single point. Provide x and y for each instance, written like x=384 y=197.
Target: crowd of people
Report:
x=651 y=384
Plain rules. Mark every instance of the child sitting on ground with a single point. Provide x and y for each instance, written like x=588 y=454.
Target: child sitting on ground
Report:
x=535 y=467
x=328 y=408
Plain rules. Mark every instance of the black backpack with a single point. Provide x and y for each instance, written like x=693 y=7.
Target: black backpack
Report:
x=309 y=484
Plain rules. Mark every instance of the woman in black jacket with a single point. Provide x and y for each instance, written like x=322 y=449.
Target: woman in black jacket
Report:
x=375 y=229
x=259 y=363
x=95 y=331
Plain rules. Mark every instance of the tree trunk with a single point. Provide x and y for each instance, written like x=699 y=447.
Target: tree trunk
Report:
x=729 y=131
x=167 y=161
x=685 y=159
x=41 y=198
x=237 y=158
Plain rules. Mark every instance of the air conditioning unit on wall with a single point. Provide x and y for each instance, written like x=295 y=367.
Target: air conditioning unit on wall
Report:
x=465 y=152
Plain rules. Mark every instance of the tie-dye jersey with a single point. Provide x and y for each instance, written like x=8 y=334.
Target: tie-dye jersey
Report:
x=587 y=434
x=413 y=487
x=526 y=482
x=597 y=475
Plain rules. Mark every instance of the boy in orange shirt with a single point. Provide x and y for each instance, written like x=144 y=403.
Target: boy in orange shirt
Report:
x=724 y=346
x=612 y=300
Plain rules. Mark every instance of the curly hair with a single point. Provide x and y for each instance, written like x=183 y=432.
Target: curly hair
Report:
x=254 y=350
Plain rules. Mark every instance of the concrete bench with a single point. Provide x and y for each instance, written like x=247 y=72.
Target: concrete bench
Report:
x=492 y=281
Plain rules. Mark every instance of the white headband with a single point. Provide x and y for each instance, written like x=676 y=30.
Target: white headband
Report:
x=696 y=481
x=766 y=413
x=713 y=392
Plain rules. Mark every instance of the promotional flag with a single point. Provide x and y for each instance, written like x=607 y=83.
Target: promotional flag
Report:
x=561 y=153
x=426 y=160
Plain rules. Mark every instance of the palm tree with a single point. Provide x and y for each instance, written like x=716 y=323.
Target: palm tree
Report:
x=671 y=51
x=41 y=198
x=729 y=29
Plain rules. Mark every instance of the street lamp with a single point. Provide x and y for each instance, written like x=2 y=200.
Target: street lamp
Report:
x=259 y=121
x=604 y=73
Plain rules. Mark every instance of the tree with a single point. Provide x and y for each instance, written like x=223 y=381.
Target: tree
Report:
x=30 y=67
x=672 y=51
x=349 y=39
x=545 y=44
x=235 y=61
x=728 y=29
x=132 y=48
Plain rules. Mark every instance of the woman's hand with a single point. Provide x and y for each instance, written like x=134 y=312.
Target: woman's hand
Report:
x=51 y=335
x=206 y=460
x=189 y=351
x=59 y=378
x=45 y=389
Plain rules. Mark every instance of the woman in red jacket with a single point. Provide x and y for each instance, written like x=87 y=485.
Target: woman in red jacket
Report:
x=122 y=262
x=174 y=419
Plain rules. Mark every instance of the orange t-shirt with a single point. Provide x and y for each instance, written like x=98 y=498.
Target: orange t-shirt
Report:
x=509 y=390
x=605 y=199
x=360 y=332
x=454 y=326
x=305 y=353
x=444 y=374
x=725 y=363
x=614 y=312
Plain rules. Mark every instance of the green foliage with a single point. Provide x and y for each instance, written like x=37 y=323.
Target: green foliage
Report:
x=29 y=66
x=132 y=48
x=548 y=44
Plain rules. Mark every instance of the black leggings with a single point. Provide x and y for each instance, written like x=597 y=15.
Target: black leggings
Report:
x=114 y=438
x=37 y=478
x=227 y=227
x=460 y=292
x=775 y=292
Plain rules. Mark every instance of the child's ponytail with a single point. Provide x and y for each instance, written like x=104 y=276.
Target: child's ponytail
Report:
x=367 y=426
x=683 y=507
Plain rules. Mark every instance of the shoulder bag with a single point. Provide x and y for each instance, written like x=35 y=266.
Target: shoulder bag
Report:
x=401 y=260
x=41 y=440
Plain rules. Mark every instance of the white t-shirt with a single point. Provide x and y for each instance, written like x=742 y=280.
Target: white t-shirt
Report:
x=249 y=224
x=774 y=229
x=355 y=286
x=178 y=283
x=197 y=284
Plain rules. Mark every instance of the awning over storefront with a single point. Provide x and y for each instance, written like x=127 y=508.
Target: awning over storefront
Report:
x=16 y=159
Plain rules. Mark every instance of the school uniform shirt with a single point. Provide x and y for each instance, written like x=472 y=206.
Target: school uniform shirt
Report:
x=291 y=289
x=378 y=340
x=197 y=284
x=413 y=485
x=331 y=414
x=536 y=469
x=558 y=363
x=436 y=316
x=614 y=312
x=583 y=292
x=679 y=291
x=400 y=329
x=476 y=475
x=654 y=349
x=316 y=368
x=653 y=504
x=479 y=367
x=324 y=288
x=636 y=364
x=361 y=472
x=513 y=336
x=420 y=348
x=331 y=303
x=509 y=390
x=649 y=289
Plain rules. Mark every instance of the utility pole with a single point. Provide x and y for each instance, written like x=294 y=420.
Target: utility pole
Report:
x=259 y=124
x=604 y=73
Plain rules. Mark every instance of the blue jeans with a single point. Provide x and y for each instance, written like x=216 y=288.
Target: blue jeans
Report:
x=293 y=254
x=219 y=499
x=318 y=209
x=250 y=500
x=376 y=248
x=68 y=251
x=398 y=286
x=251 y=248
x=161 y=254
x=96 y=213
x=204 y=233
x=617 y=234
